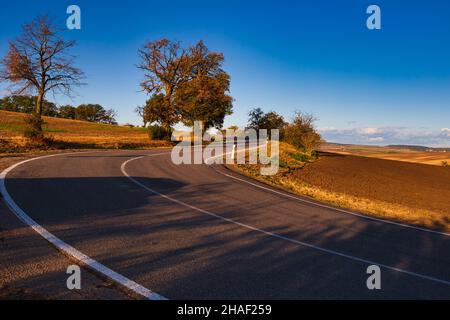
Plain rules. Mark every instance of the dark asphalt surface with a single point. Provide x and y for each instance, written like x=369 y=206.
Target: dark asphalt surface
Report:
x=182 y=253
x=32 y=269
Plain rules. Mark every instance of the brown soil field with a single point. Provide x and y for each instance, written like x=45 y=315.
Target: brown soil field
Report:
x=411 y=193
x=433 y=158
x=413 y=185
x=390 y=153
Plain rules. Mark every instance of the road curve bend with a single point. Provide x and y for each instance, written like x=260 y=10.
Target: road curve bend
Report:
x=201 y=232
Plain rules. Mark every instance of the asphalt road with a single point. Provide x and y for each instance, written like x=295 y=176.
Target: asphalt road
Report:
x=192 y=232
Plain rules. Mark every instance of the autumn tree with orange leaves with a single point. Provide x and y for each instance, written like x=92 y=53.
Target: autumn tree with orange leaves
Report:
x=205 y=96
x=186 y=84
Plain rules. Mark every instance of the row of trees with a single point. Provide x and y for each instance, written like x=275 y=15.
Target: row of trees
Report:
x=300 y=132
x=27 y=104
x=86 y=112
x=184 y=84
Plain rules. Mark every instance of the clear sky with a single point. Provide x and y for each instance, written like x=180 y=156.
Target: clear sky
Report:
x=375 y=87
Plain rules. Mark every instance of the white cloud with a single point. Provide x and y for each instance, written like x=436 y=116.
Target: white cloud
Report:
x=388 y=135
x=368 y=130
x=446 y=131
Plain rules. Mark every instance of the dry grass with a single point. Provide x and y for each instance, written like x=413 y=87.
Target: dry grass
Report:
x=390 y=153
x=73 y=134
x=372 y=207
x=290 y=179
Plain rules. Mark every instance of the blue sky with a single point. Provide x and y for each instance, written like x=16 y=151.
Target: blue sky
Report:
x=375 y=87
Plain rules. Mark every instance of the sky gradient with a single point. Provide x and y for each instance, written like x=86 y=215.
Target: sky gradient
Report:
x=390 y=86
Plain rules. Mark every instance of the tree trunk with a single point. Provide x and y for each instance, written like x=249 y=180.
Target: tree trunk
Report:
x=166 y=124
x=38 y=111
x=39 y=102
x=166 y=127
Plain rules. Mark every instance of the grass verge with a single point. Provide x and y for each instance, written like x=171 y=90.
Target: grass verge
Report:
x=64 y=134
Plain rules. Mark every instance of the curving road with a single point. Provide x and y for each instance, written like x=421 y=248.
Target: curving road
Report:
x=202 y=232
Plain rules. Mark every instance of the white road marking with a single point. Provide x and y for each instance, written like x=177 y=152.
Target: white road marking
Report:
x=284 y=194
x=275 y=235
x=139 y=289
x=66 y=248
x=234 y=151
x=335 y=209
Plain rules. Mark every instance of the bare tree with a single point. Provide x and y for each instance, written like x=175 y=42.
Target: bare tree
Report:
x=110 y=117
x=38 y=61
x=141 y=112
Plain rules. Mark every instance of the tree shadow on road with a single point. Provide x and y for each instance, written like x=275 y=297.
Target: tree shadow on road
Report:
x=183 y=253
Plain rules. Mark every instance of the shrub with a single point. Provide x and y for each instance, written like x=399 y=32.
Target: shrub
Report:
x=33 y=130
x=3 y=145
x=300 y=157
x=302 y=134
x=445 y=163
x=283 y=164
x=157 y=132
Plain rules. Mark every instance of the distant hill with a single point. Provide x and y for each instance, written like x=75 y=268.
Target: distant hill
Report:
x=408 y=153
x=417 y=148
x=391 y=146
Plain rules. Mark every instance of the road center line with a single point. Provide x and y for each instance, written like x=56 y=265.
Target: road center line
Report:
x=296 y=198
x=275 y=235
x=334 y=208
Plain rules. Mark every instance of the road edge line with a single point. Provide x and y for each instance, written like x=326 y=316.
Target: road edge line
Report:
x=276 y=235
x=314 y=202
x=66 y=248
